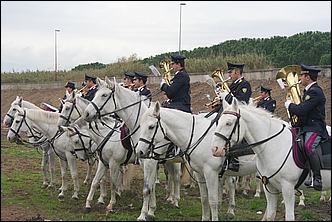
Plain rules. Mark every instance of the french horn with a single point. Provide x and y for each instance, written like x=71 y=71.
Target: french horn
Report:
x=288 y=77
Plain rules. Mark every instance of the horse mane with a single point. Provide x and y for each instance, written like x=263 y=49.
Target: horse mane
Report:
x=251 y=108
x=43 y=116
x=25 y=104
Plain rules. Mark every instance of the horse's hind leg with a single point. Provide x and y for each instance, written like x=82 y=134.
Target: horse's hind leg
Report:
x=64 y=178
x=74 y=175
x=258 y=187
x=323 y=197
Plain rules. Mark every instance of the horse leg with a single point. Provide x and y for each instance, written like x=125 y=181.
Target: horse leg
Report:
x=289 y=198
x=114 y=184
x=212 y=182
x=239 y=184
x=88 y=176
x=231 y=181
x=258 y=187
x=174 y=170
x=127 y=177
x=64 y=178
x=44 y=168
x=323 y=197
x=157 y=175
x=51 y=157
x=204 y=197
x=74 y=174
x=271 y=203
x=149 y=195
x=101 y=173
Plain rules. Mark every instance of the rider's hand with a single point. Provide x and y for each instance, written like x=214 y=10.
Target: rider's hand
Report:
x=162 y=82
x=287 y=103
x=223 y=94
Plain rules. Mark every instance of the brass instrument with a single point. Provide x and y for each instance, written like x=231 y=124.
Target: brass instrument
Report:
x=82 y=91
x=165 y=65
x=289 y=76
x=219 y=87
x=256 y=99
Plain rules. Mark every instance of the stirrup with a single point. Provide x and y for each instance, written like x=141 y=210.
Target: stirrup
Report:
x=309 y=184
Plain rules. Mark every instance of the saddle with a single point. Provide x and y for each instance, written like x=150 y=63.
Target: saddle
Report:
x=300 y=156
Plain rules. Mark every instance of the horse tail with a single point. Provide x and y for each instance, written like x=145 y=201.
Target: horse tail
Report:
x=127 y=177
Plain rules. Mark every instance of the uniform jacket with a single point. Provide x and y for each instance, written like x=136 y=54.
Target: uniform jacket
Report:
x=178 y=92
x=267 y=103
x=145 y=91
x=312 y=105
x=91 y=93
x=241 y=91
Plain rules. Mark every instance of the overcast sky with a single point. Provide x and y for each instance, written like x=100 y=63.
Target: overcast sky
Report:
x=93 y=31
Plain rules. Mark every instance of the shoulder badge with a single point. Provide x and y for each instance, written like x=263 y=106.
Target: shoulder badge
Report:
x=274 y=105
x=244 y=90
x=307 y=97
x=141 y=89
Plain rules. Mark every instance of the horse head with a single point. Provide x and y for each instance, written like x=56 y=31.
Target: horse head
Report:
x=18 y=125
x=227 y=131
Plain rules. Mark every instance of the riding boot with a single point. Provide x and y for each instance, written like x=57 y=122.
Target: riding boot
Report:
x=316 y=182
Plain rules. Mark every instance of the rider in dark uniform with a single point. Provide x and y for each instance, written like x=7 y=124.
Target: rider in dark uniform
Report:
x=240 y=87
x=178 y=91
x=92 y=87
x=266 y=101
x=140 y=81
x=312 y=107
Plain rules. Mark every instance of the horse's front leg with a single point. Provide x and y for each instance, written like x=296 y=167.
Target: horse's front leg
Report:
x=149 y=198
x=271 y=202
x=258 y=186
x=204 y=196
x=101 y=173
x=64 y=178
x=114 y=184
x=287 y=190
x=51 y=157
x=231 y=204
x=74 y=174
x=44 y=168
x=91 y=161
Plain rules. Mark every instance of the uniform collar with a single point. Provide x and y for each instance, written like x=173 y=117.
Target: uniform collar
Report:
x=308 y=86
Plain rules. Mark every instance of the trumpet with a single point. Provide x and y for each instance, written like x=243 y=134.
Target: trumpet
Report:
x=256 y=99
x=82 y=91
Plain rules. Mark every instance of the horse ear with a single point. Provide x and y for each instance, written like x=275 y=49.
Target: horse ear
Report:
x=156 y=109
x=20 y=99
x=235 y=104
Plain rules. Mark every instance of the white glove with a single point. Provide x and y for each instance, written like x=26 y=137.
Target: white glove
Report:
x=223 y=94
x=287 y=103
x=162 y=82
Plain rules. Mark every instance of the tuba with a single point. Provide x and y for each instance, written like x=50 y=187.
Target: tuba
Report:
x=165 y=65
x=219 y=87
x=289 y=76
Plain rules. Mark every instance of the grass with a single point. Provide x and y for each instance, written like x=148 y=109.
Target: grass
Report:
x=21 y=180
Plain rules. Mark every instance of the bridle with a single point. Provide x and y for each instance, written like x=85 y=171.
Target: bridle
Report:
x=71 y=111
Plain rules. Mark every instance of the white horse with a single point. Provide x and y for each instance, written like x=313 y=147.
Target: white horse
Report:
x=193 y=133
x=48 y=156
x=46 y=123
x=272 y=141
x=130 y=106
x=112 y=155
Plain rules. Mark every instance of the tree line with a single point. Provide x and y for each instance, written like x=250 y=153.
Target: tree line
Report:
x=311 y=47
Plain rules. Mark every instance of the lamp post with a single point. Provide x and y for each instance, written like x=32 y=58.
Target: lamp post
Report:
x=180 y=28
x=56 y=50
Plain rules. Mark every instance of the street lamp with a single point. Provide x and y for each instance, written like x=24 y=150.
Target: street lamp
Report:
x=180 y=28
x=56 y=50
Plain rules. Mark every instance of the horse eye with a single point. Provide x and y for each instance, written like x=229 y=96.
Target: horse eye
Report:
x=17 y=121
x=14 y=109
x=151 y=127
x=67 y=108
x=104 y=95
x=228 y=123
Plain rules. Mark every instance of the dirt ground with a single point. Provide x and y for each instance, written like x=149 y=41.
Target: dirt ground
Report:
x=198 y=98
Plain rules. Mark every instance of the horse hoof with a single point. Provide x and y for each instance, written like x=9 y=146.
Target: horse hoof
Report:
x=61 y=196
x=108 y=212
x=74 y=198
x=44 y=186
x=100 y=204
x=149 y=217
x=86 y=210
x=229 y=215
